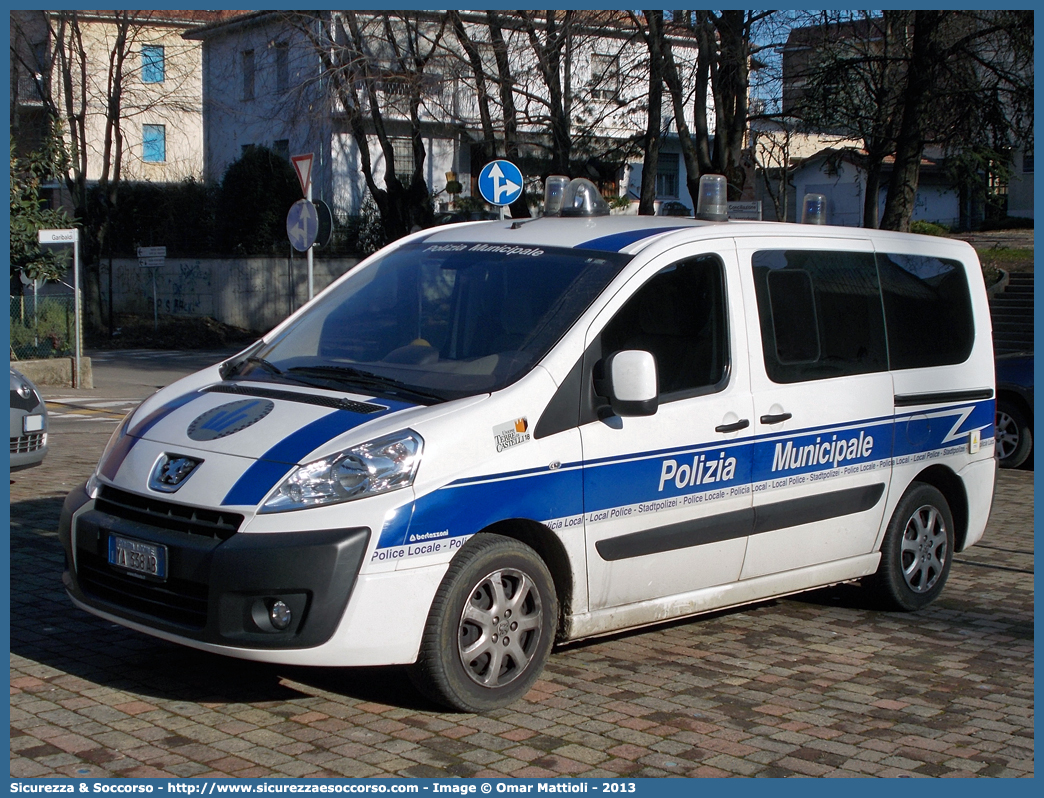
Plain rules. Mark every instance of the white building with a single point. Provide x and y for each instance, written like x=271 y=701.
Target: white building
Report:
x=265 y=82
x=159 y=89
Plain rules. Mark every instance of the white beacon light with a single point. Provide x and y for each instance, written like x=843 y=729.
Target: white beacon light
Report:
x=712 y=204
x=813 y=209
x=582 y=198
x=554 y=189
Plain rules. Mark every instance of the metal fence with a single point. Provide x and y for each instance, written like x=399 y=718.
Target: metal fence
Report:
x=42 y=327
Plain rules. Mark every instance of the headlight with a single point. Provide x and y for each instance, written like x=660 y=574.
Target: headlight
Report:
x=378 y=466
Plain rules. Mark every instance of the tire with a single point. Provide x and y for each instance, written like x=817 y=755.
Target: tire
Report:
x=490 y=628
x=916 y=552
x=1013 y=435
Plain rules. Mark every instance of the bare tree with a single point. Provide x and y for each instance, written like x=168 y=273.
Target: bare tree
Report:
x=90 y=80
x=727 y=51
x=375 y=63
x=900 y=81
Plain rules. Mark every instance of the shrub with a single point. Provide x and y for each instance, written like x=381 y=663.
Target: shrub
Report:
x=256 y=194
x=929 y=229
x=46 y=333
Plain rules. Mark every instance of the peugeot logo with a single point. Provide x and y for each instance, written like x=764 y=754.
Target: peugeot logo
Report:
x=171 y=471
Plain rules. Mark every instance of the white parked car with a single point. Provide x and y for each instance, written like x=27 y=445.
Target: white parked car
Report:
x=495 y=435
x=28 y=423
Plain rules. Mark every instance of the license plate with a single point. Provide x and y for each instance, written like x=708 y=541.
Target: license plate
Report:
x=32 y=423
x=138 y=557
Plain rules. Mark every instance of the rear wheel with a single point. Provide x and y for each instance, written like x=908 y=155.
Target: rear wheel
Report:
x=1013 y=435
x=916 y=552
x=490 y=628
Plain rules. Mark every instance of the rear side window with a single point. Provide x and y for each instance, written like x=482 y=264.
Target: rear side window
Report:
x=820 y=314
x=927 y=310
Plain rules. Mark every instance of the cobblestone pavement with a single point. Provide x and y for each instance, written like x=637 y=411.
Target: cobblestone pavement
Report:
x=815 y=685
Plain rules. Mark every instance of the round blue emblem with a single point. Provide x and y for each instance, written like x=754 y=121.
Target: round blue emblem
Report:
x=228 y=419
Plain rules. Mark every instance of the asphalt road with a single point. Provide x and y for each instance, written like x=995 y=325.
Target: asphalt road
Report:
x=815 y=685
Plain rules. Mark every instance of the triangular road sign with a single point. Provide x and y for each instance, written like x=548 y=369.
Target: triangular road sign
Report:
x=303 y=167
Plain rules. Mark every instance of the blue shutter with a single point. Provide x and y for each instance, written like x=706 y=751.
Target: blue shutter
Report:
x=154 y=143
x=153 y=70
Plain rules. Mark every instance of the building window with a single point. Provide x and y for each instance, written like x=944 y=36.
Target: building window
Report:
x=282 y=66
x=153 y=69
x=247 y=57
x=281 y=147
x=1027 y=162
x=667 y=175
x=402 y=149
x=605 y=76
x=154 y=143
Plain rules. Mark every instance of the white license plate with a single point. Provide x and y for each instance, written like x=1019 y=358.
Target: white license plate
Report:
x=138 y=557
x=32 y=423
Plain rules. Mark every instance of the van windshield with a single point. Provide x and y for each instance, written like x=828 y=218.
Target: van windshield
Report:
x=431 y=322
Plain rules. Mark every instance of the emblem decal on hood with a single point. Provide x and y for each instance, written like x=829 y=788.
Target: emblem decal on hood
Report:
x=219 y=422
x=170 y=471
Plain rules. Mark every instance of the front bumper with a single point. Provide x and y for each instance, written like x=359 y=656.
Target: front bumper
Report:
x=218 y=587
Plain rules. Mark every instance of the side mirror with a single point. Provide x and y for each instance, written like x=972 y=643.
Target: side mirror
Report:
x=630 y=383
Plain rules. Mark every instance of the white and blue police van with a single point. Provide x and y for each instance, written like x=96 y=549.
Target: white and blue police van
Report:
x=494 y=436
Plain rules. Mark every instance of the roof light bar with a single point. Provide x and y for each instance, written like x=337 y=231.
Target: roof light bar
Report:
x=712 y=204
x=554 y=189
x=576 y=197
x=813 y=209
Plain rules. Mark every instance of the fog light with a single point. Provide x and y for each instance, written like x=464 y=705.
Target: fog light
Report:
x=280 y=616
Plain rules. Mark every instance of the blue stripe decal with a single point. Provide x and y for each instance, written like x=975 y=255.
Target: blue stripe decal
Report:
x=123 y=446
x=682 y=475
x=446 y=513
x=618 y=241
x=273 y=465
x=256 y=482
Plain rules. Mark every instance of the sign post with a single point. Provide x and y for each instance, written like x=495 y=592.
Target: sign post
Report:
x=303 y=167
x=152 y=258
x=70 y=236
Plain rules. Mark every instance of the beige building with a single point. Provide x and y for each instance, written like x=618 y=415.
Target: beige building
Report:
x=79 y=64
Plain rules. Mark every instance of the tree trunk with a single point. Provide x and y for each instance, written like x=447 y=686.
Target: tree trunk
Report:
x=902 y=187
x=653 y=129
x=871 y=199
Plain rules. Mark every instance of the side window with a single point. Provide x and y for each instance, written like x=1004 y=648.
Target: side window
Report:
x=678 y=316
x=820 y=314
x=928 y=311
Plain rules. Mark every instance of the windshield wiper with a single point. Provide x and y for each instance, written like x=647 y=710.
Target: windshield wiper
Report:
x=346 y=375
x=266 y=365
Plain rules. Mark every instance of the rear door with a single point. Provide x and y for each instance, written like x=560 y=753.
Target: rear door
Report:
x=823 y=400
x=667 y=497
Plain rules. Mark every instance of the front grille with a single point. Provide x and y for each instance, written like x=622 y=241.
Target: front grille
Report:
x=168 y=515
x=175 y=600
x=30 y=442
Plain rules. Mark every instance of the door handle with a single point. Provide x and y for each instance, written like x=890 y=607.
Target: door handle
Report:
x=775 y=418
x=735 y=426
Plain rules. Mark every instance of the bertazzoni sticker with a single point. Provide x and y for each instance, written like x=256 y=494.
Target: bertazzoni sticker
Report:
x=511 y=434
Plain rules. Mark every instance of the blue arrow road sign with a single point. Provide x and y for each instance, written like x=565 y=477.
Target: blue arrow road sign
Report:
x=500 y=182
x=302 y=224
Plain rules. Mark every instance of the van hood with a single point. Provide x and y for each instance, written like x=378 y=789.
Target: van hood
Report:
x=238 y=440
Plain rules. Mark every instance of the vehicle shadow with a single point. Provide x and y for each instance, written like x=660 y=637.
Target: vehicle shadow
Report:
x=47 y=629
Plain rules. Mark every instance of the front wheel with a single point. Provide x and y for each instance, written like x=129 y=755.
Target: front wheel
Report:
x=916 y=552
x=490 y=628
